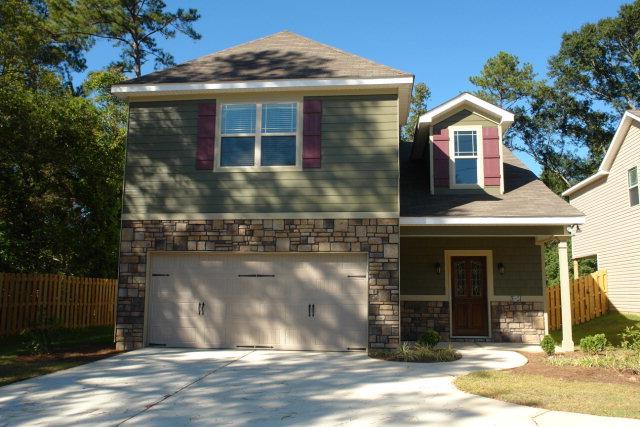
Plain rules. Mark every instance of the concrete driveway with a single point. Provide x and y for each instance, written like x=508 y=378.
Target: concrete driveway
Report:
x=172 y=387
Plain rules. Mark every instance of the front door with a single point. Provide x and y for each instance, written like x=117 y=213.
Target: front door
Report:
x=469 y=296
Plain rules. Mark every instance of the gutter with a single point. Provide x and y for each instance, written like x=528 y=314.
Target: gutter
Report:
x=593 y=178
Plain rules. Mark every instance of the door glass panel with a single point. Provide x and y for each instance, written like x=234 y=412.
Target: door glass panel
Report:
x=476 y=278
x=460 y=278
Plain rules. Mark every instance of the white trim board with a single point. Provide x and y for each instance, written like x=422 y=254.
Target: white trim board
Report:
x=491 y=220
x=121 y=89
x=255 y=215
x=403 y=84
x=462 y=99
x=609 y=157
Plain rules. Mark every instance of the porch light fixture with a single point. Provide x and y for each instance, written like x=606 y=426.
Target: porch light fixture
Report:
x=438 y=268
x=501 y=268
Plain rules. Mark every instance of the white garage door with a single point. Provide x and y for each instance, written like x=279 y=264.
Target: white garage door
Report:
x=281 y=301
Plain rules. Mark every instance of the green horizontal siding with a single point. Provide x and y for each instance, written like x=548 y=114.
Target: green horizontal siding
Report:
x=359 y=164
x=520 y=256
x=462 y=118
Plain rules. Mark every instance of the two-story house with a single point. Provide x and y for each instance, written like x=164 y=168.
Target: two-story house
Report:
x=269 y=202
x=611 y=203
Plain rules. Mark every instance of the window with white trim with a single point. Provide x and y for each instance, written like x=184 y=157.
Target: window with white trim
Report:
x=259 y=135
x=465 y=157
x=632 y=175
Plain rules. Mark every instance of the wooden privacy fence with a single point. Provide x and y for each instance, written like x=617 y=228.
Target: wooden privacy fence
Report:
x=30 y=300
x=588 y=299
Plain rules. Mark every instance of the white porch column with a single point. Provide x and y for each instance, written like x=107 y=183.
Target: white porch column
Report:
x=565 y=295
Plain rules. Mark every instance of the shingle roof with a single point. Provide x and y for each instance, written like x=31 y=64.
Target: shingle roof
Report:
x=525 y=195
x=283 y=55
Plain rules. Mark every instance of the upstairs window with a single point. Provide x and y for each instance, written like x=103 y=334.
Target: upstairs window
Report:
x=465 y=159
x=262 y=135
x=632 y=175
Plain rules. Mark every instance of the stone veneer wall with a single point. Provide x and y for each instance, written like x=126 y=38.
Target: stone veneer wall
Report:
x=517 y=321
x=510 y=322
x=418 y=316
x=379 y=238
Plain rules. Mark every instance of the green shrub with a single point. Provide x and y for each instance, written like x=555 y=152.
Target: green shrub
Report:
x=593 y=344
x=429 y=339
x=630 y=338
x=548 y=344
x=419 y=353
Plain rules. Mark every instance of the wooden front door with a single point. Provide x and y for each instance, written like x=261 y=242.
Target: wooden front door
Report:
x=469 y=296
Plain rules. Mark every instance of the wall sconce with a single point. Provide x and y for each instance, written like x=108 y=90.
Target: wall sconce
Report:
x=501 y=268
x=438 y=268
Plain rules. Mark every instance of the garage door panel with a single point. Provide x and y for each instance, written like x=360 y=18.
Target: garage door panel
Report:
x=260 y=300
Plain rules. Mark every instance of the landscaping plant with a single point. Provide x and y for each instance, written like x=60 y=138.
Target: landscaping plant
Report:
x=548 y=344
x=630 y=338
x=593 y=344
x=429 y=339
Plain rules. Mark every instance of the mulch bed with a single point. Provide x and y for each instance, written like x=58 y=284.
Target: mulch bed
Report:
x=538 y=366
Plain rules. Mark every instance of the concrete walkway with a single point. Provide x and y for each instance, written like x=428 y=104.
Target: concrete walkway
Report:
x=171 y=387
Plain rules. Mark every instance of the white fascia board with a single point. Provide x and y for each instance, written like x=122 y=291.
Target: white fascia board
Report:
x=491 y=220
x=609 y=157
x=505 y=116
x=126 y=90
x=593 y=178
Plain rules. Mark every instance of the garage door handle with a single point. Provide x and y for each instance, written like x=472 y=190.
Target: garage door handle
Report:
x=313 y=310
x=309 y=309
x=202 y=307
x=199 y=308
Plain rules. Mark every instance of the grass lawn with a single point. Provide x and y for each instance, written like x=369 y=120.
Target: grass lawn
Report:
x=605 y=384
x=611 y=324
x=70 y=347
x=597 y=398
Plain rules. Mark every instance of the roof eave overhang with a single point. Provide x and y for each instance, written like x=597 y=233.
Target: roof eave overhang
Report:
x=403 y=84
x=585 y=183
x=494 y=221
x=609 y=157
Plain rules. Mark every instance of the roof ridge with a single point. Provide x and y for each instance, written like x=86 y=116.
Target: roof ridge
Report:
x=344 y=52
x=235 y=46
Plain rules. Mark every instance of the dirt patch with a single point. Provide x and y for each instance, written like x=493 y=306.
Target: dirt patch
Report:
x=84 y=353
x=537 y=366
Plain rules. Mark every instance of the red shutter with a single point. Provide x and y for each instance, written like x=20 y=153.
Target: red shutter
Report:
x=491 y=147
x=441 y=158
x=311 y=134
x=206 y=135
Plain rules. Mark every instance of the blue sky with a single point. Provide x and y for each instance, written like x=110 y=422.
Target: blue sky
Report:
x=442 y=43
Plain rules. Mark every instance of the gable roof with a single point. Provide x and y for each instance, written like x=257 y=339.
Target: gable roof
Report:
x=283 y=55
x=279 y=62
x=526 y=199
x=614 y=147
x=466 y=99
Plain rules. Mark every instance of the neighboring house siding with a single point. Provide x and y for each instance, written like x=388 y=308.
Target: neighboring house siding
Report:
x=611 y=231
x=359 y=173
x=520 y=256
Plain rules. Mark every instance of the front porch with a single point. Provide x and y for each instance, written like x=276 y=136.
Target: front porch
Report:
x=477 y=284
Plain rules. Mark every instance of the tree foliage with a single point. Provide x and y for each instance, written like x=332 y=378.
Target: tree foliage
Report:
x=133 y=26
x=418 y=106
x=62 y=152
x=565 y=120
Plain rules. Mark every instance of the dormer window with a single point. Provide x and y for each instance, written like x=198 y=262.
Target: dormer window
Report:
x=466 y=151
x=465 y=156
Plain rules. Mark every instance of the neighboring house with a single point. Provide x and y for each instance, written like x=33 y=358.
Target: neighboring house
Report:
x=268 y=202
x=610 y=201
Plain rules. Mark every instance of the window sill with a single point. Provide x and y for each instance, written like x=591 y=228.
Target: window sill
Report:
x=224 y=169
